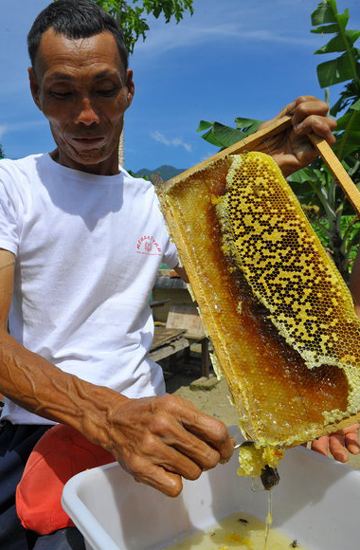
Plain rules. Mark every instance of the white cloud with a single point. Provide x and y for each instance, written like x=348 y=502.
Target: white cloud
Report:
x=260 y=22
x=3 y=128
x=174 y=142
x=19 y=126
x=171 y=38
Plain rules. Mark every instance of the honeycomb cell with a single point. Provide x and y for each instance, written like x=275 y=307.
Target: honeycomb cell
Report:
x=311 y=277
x=280 y=317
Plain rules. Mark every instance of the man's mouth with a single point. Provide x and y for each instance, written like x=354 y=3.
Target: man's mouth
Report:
x=85 y=142
x=88 y=139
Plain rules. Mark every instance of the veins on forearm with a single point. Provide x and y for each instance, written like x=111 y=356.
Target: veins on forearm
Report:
x=32 y=382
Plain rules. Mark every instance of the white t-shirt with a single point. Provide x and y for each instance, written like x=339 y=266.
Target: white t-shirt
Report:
x=88 y=248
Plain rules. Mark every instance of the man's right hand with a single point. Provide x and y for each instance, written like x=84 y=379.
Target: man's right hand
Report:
x=159 y=440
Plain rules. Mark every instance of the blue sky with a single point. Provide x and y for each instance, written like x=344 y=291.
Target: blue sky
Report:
x=231 y=58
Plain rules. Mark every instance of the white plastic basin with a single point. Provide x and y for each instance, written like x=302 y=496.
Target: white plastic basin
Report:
x=316 y=502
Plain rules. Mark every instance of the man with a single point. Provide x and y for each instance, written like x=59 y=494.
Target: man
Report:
x=80 y=323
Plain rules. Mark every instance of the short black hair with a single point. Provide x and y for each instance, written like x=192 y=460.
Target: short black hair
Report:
x=75 y=19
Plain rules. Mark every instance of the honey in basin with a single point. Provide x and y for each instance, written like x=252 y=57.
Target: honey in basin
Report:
x=239 y=531
x=278 y=312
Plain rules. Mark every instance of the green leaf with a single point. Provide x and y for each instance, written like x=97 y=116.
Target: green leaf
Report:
x=349 y=149
x=351 y=116
x=304 y=191
x=211 y=138
x=335 y=71
x=248 y=125
x=337 y=107
x=227 y=136
x=348 y=96
x=132 y=20
x=326 y=29
x=340 y=43
x=351 y=142
x=223 y=136
x=356 y=106
x=343 y=19
x=306 y=174
x=204 y=125
x=324 y=14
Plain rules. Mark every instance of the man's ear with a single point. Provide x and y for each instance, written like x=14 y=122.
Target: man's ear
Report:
x=130 y=87
x=34 y=87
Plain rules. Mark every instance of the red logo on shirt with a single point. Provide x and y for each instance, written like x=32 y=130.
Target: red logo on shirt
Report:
x=148 y=245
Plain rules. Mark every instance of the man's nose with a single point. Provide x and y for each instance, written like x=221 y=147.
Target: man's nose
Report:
x=87 y=114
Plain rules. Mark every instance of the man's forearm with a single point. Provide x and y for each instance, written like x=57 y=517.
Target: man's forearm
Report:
x=35 y=384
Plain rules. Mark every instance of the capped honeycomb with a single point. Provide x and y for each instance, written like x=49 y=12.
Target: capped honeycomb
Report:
x=279 y=315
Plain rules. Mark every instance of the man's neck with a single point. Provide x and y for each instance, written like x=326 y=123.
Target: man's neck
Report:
x=107 y=168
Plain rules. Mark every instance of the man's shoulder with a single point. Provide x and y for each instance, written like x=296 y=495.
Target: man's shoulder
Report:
x=21 y=165
x=18 y=177
x=130 y=176
x=141 y=184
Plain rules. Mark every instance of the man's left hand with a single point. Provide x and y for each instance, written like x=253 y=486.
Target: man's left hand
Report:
x=339 y=444
x=292 y=148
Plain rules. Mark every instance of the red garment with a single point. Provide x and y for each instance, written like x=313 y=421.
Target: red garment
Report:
x=61 y=453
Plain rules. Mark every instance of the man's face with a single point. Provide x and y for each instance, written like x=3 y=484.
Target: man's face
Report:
x=82 y=89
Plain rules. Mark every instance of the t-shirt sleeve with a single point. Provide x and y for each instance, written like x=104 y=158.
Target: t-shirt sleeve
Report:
x=9 y=216
x=170 y=255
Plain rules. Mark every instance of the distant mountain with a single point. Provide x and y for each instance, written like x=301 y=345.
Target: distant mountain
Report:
x=165 y=172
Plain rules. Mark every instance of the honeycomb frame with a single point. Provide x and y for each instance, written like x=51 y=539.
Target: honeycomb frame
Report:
x=274 y=379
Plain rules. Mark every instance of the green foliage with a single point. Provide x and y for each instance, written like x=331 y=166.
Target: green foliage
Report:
x=338 y=228
x=132 y=15
x=223 y=136
x=344 y=67
x=144 y=176
x=328 y=210
x=2 y=154
x=327 y=20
